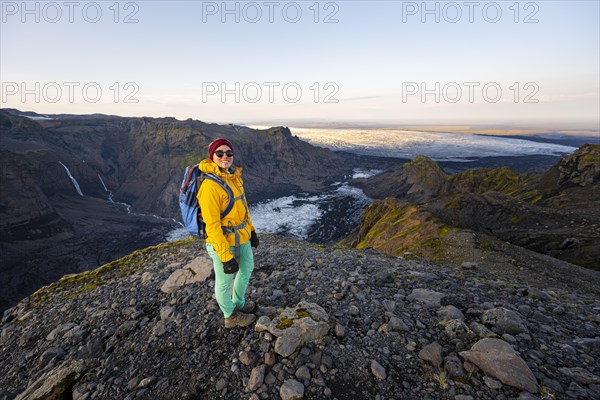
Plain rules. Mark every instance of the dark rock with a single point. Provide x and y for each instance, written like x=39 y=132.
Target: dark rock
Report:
x=504 y=320
x=496 y=358
x=55 y=384
x=432 y=353
x=291 y=390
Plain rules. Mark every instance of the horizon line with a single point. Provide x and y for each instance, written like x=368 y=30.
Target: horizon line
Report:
x=305 y=123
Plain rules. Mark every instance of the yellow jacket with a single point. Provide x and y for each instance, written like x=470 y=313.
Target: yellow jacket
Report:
x=213 y=200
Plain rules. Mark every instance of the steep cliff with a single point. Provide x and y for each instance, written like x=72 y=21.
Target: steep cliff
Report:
x=142 y=159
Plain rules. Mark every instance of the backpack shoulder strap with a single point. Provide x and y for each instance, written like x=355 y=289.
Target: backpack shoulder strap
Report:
x=191 y=171
x=226 y=187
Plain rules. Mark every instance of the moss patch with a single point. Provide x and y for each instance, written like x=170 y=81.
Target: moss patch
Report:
x=590 y=159
x=302 y=313
x=71 y=285
x=515 y=219
x=406 y=233
x=284 y=323
x=410 y=257
x=536 y=199
x=443 y=230
x=184 y=160
x=454 y=203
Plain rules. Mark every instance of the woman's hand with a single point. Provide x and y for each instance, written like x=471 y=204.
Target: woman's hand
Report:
x=231 y=266
x=253 y=239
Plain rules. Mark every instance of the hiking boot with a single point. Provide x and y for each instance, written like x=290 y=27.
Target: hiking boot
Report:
x=240 y=319
x=249 y=306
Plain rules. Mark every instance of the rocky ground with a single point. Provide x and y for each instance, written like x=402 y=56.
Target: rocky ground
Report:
x=397 y=328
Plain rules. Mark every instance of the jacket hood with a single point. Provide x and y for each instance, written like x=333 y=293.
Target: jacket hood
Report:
x=209 y=167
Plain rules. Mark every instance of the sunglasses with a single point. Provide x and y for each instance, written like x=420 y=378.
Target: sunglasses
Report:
x=221 y=153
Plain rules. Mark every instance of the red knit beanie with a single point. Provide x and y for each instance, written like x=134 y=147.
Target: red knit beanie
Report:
x=215 y=144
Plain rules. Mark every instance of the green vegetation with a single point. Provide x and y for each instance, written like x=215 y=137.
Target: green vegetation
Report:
x=441 y=379
x=501 y=180
x=536 y=199
x=593 y=318
x=426 y=168
x=302 y=313
x=454 y=203
x=462 y=379
x=284 y=323
x=516 y=219
x=184 y=160
x=406 y=232
x=486 y=244
x=71 y=285
x=431 y=243
x=443 y=230
x=531 y=196
x=545 y=392
x=591 y=159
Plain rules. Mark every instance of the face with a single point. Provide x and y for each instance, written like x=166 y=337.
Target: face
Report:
x=225 y=161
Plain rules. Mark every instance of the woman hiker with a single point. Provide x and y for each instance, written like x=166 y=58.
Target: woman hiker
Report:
x=228 y=239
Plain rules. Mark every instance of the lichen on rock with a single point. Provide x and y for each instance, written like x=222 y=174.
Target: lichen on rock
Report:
x=295 y=326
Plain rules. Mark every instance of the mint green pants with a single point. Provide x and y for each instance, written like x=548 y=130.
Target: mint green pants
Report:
x=227 y=304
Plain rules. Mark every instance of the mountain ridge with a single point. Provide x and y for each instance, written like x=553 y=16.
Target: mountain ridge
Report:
x=554 y=214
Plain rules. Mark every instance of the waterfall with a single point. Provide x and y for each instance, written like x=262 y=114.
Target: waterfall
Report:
x=127 y=207
x=101 y=181
x=106 y=189
x=72 y=179
x=110 y=198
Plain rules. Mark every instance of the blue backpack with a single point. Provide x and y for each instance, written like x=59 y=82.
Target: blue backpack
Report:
x=188 y=201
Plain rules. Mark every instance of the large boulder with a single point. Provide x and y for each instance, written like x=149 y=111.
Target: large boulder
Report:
x=54 y=384
x=197 y=270
x=433 y=354
x=291 y=390
x=429 y=298
x=295 y=326
x=499 y=360
x=504 y=321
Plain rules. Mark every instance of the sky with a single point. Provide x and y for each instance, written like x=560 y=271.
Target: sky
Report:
x=531 y=63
